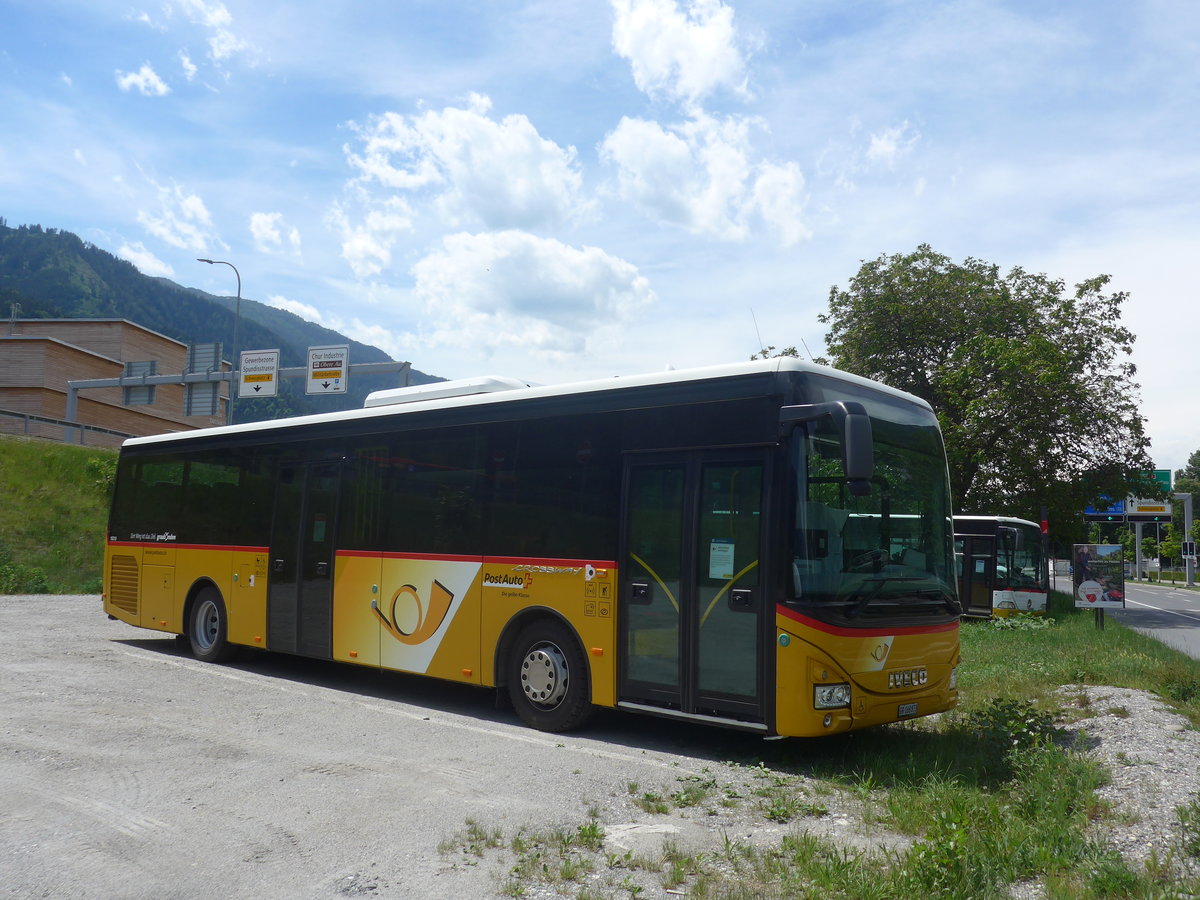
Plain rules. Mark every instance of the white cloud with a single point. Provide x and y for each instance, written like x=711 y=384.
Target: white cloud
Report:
x=778 y=197
x=189 y=68
x=702 y=176
x=271 y=235
x=892 y=143
x=145 y=80
x=147 y=262
x=367 y=247
x=182 y=219
x=511 y=290
x=223 y=43
x=847 y=161
x=303 y=310
x=685 y=54
x=478 y=170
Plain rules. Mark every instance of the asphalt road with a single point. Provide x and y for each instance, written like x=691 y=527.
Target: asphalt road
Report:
x=130 y=770
x=1170 y=614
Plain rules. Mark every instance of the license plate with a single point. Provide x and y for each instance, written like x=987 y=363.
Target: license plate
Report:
x=906 y=709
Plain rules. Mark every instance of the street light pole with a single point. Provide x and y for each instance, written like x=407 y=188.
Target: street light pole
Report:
x=237 y=321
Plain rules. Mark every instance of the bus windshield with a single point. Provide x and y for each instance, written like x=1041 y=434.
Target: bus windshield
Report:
x=1019 y=562
x=888 y=554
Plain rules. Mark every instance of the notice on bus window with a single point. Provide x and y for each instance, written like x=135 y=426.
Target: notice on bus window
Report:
x=720 y=559
x=1098 y=576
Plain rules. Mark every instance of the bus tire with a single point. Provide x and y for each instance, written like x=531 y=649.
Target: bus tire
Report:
x=548 y=677
x=208 y=627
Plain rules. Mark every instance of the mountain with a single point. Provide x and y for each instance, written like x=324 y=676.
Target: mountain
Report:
x=54 y=274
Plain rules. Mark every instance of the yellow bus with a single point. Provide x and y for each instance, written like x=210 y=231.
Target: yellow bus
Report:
x=764 y=546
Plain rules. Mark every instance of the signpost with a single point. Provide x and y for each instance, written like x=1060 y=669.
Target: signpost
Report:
x=327 y=370
x=1099 y=578
x=258 y=373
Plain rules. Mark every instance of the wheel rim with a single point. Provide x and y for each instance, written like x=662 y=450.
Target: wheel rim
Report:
x=208 y=624
x=544 y=675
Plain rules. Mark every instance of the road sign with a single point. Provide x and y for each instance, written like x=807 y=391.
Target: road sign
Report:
x=1148 y=510
x=258 y=373
x=327 y=370
x=1114 y=512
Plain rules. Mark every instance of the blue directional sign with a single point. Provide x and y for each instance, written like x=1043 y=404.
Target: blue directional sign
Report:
x=1114 y=510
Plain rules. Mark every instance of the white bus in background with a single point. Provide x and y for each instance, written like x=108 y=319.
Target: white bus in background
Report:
x=1001 y=566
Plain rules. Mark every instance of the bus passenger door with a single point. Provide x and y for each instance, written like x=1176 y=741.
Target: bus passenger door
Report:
x=976 y=558
x=691 y=610
x=300 y=602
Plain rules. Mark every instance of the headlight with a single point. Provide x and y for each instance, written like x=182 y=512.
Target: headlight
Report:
x=954 y=679
x=831 y=696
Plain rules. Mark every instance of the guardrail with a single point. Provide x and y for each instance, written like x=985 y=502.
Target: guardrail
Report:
x=30 y=425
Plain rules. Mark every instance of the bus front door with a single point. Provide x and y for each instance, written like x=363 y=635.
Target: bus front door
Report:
x=691 y=611
x=300 y=599
x=976 y=557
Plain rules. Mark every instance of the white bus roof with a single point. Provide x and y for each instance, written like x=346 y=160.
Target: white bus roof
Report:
x=1001 y=520
x=499 y=389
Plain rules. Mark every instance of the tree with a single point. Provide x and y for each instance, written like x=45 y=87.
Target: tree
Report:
x=1031 y=384
x=1187 y=481
x=766 y=352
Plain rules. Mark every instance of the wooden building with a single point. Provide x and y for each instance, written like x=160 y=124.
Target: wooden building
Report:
x=38 y=357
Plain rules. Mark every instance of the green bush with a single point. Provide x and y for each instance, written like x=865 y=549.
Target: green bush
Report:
x=17 y=578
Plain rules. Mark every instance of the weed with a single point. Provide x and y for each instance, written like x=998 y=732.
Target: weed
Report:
x=473 y=840
x=1180 y=681
x=652 y=802
x=1020 y=622
x=1189 y=821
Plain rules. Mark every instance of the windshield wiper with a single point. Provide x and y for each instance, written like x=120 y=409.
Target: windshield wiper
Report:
x=938 y=595
x=943 y=597
x=877 y=586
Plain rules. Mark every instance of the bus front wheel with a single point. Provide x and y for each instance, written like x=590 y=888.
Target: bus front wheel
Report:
x=548 y=678
x=208 y=626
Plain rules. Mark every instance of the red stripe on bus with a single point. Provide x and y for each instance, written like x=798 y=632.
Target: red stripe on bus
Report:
x=189 y=546
x=842 y=631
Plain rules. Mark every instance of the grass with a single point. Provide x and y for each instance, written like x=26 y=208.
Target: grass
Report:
x=53 y=515
x=978 y=800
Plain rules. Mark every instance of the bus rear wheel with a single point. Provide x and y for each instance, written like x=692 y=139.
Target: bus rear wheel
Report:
x=208 y=627
x=548 y=678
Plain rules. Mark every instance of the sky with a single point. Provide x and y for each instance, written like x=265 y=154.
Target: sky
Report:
x=560 y=190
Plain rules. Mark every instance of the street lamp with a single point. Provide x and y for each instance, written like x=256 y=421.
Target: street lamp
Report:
x=237 y=321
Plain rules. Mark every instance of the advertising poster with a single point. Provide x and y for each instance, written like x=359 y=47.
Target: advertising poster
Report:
x=1099 y=576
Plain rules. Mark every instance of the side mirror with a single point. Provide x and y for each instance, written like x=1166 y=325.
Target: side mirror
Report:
x=854 y=426
x=1015 y=535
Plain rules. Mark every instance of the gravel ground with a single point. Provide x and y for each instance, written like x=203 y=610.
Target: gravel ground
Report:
x=1153 y=755
x=128 y=769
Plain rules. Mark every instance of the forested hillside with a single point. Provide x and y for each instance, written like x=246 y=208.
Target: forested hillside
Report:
x=49 y=273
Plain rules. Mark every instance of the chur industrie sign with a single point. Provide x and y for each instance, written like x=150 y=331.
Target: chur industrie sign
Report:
x=327 y=370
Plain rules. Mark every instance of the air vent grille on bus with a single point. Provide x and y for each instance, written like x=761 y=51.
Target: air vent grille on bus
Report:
x=123 y=584
x=442 y=390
